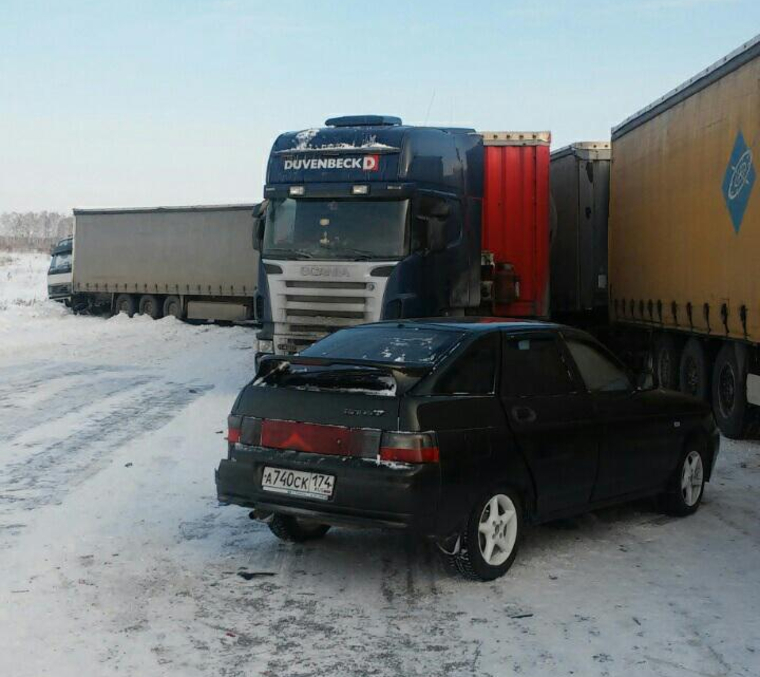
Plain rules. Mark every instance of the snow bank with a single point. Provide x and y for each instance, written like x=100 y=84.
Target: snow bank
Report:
x=23 y=279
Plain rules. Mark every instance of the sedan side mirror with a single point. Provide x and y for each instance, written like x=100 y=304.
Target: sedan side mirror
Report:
x=645 y=380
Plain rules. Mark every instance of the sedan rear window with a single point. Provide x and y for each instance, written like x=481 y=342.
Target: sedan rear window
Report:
x=389 y=344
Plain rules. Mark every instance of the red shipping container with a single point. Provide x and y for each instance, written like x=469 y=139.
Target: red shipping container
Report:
x=516 y=221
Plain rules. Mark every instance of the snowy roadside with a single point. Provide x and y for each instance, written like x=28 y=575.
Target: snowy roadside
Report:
x=116 y=559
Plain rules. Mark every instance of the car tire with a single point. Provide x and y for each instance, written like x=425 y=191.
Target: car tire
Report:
x=295 y=530
x=694 y=371
x=476 y=559
x=149 y=305
x=735 y=417
x=173 y=307
x=665 y=362
x=688 y=483
x=124 y=303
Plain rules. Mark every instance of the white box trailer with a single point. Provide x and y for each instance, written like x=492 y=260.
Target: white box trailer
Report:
x=190 y=262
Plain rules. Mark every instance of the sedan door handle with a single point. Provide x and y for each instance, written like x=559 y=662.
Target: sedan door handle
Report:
x=523 y=414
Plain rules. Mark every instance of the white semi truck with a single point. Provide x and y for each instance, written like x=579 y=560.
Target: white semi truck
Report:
x=194 y=263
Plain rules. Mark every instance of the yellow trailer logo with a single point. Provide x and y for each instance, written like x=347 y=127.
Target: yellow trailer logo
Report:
x=738 y=181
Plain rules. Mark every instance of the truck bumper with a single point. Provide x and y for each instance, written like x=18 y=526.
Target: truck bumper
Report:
x=59 y=292
x=366 y=494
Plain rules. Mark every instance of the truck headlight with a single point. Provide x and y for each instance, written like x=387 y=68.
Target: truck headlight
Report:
x=266 y=346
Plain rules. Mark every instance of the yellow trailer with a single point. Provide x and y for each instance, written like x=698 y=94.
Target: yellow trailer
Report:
x=684 y=234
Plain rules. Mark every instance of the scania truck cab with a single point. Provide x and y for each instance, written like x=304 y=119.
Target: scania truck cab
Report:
x=369 y=219
x=59 y=273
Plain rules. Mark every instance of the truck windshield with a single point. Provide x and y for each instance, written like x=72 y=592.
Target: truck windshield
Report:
x=61 y=261
x=336 y=229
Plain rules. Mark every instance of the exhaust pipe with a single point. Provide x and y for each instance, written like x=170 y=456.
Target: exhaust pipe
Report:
x=264 y=516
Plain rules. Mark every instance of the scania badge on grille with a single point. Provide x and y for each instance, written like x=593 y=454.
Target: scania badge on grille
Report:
x=324 y=271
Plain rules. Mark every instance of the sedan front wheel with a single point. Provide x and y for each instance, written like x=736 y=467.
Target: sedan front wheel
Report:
x=688 y=485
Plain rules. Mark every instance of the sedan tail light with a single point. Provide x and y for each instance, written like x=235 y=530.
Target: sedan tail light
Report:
x=233 y=428
x=401 y=447
x=409 y=447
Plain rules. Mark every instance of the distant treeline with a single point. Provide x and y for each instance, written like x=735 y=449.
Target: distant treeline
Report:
x=33 y=230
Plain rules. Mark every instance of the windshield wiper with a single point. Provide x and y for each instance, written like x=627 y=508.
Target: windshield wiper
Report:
x=295 y=253
x=359 y=254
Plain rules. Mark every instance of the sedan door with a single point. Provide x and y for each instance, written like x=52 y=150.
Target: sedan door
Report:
x=637 y=443
x=552 y=418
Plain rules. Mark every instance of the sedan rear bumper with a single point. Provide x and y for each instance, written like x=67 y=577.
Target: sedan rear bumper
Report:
x=366 y=493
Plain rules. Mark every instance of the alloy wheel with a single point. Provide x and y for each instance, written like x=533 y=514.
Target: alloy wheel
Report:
x=692 y=478
x=497 y=530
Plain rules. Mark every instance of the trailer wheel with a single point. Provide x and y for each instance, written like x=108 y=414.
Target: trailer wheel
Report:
x=729 y=392
x=150 y=306
x=694 y=371
x=124 y=303
x=665 y=360
x=173 y=307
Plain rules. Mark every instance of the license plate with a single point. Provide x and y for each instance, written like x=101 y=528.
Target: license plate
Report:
x=298 y=483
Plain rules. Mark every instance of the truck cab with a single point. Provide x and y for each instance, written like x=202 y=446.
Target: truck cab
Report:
x=367 y=219
x=59 y=273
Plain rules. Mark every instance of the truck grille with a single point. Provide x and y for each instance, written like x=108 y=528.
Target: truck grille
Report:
x=305 y=309
x=324 y=306
x=313 y=309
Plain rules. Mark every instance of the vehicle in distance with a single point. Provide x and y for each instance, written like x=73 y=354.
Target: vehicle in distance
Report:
x=369 y=219
x=195 y=263
x=59 y=272
x=463 y=430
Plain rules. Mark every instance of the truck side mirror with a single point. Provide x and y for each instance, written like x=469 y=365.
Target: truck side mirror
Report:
x=259 y=221
x=433 y=210
x=258 y=233
x=436 y=235
x=433 y=207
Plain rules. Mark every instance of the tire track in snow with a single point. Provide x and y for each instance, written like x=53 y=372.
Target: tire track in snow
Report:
x=22 y=378
x=355 y=603
x=58 y=465
x=67 y=399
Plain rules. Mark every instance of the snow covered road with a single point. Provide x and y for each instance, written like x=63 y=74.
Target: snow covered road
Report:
x=116 y=559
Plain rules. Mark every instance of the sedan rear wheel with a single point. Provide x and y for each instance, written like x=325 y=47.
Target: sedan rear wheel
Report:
x=295 y=530
x=489 y=544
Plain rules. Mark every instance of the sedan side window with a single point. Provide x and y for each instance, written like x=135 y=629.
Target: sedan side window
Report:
x=533 y=366
x=473 y=372
x=599 y=372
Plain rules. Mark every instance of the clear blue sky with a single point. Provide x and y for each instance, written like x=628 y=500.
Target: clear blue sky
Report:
x=178 y=101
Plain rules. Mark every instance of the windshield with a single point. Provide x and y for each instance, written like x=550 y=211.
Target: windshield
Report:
x=388 y=343
x=61 y=261
x=336 y=229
